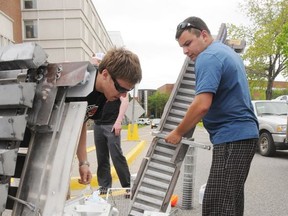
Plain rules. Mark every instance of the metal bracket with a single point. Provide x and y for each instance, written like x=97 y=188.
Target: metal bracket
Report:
x=31 y=206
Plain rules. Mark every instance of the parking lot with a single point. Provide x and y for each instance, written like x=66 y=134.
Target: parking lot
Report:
x=266 y=186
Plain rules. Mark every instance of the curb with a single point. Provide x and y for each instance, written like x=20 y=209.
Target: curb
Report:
x=130 y=157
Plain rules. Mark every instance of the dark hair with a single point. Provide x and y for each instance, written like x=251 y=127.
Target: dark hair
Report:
x=194 y=24
x=122 y=64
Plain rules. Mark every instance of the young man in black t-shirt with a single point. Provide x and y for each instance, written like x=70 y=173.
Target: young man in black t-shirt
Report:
x=118 y=73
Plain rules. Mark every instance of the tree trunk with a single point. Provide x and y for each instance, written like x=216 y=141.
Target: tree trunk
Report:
x=269 y=89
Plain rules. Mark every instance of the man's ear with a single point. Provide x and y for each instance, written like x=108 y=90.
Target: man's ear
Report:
x=105 y=73
x=205 y=34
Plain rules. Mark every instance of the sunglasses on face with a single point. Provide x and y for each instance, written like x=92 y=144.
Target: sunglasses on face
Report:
x=185 y=25
x=119 y=88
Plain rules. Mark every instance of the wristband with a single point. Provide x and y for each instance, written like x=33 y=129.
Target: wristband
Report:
x=81 y=163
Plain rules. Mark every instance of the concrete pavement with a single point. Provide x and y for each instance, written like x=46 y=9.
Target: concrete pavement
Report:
x=133 y=150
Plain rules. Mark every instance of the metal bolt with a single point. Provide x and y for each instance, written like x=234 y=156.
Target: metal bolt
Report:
x=59 y=69
x=58 y=75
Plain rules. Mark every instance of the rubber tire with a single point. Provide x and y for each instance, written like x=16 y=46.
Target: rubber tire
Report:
x=266 y=145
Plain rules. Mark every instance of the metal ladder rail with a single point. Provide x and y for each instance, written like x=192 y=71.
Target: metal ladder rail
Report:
x=155 y=180
x=170 y=159
x=180 y=99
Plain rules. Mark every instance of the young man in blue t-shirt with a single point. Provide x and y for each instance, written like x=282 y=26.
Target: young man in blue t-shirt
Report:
x=223 y=102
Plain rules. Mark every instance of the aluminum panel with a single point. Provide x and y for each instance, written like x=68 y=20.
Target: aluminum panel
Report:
x=85 y=88
x=3 y=197
x=73 y=73
x=46 y=174
x=22 y=56
x=12 y=127
x=21 y=94
x=8 y=161
x=42 y=109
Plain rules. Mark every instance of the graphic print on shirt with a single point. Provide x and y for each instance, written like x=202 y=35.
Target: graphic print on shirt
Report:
x=90 y=111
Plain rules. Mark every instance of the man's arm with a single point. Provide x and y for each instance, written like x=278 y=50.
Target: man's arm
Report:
x=196 y=111
x=84 y=170
x=122 y=109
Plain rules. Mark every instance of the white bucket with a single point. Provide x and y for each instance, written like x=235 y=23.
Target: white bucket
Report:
x=201 y=193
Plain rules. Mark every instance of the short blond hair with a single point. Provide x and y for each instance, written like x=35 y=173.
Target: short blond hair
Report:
x=122 y=64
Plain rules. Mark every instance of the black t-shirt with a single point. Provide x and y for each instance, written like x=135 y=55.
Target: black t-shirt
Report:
x=96 y=100
x=109 y=113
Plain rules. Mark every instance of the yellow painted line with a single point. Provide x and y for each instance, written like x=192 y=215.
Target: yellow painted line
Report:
x=90 y=149
x=130 y=157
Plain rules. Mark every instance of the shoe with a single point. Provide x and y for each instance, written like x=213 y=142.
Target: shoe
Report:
x=102 y=190
x=127 y=194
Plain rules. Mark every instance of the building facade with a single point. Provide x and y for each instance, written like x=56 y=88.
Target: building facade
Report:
x=166 y=89
x=10 y=22
x=68 y=30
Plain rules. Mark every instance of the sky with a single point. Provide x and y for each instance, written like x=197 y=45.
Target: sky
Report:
x=148 y=29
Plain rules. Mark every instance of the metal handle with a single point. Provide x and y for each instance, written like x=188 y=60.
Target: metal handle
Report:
x=31 y=206
x=184 y=140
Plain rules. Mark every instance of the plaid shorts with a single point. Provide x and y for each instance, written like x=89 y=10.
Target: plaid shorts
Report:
x=224 y=192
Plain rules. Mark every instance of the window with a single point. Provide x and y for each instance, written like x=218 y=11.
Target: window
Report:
x=30 y=4
x=31 y=29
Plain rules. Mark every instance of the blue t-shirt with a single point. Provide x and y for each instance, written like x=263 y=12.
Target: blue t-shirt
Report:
x=220 y=70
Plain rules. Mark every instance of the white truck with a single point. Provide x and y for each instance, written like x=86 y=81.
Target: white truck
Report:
x=272 y=118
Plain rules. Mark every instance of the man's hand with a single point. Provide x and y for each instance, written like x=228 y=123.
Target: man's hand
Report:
x=173 y=137
x=85 y=175
x=117 y=128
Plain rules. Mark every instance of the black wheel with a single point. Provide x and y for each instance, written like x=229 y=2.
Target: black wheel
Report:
x=266 y=145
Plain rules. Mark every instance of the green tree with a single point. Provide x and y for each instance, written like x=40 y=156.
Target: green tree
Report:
x=265 y=54
x=156 y=103
x=282 y=41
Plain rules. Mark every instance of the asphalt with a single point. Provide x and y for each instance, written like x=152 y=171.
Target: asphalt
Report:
x=134 y=150
x=264 y=189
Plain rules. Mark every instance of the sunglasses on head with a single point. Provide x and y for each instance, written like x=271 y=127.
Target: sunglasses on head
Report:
x=185 y=25
x=119 y=88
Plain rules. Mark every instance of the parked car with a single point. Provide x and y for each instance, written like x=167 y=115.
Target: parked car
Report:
x=282 y=97
x=143 y=121
x=272 y=118
x=155 y=122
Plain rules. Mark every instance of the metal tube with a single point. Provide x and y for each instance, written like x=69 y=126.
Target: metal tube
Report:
x=189 y=178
